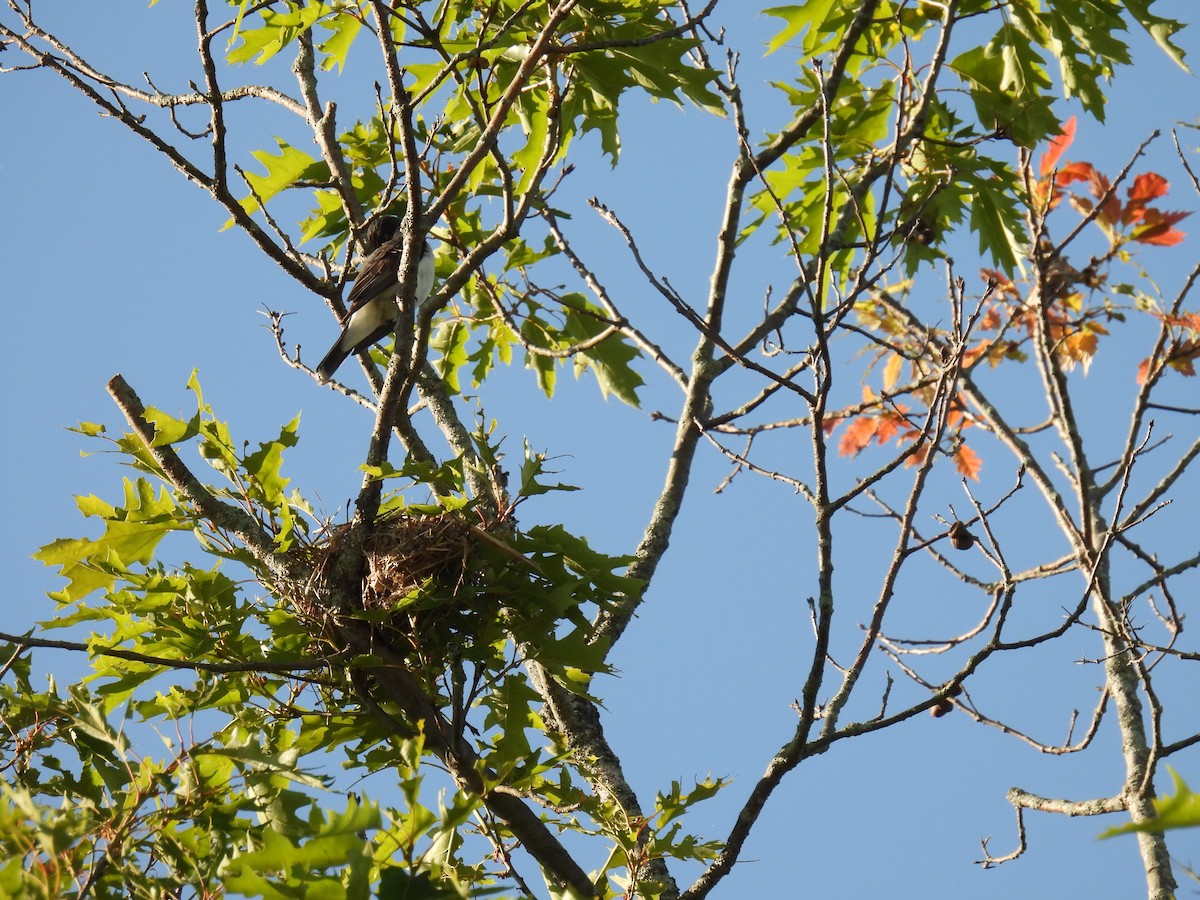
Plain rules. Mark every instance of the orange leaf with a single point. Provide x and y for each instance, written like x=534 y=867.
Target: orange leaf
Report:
x=857 y=436
x=918 y=456
x=967 y=462
x=1182 y=366
x=1079 y=347
x=886 y=427
x=891 y=371
x=1143 y=370
x=1002 y=282
x=973 y=353
x=1057 y=146
x=958 y=418
x=1183 y=355
x=1190 y=321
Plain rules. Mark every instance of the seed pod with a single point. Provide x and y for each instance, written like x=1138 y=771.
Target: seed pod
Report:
x=940 y=708
x=960 y=537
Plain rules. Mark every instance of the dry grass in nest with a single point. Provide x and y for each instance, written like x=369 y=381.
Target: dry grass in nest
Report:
x=405 y=553
x=419 y=575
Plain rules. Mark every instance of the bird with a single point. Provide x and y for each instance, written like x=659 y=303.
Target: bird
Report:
x=372 y=304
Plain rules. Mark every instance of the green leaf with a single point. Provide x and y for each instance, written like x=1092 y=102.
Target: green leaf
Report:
x=610 y=359
x=992 y=217
x=594 y=101
x=131 y=534
x=89 y=429
x=1180 y=811
x=510 y=710
x=169 y=430
x=574 y=658
x=267 y=760
x=808 y=17
x=533 y=110
x=450 y=341
x=344 y=28
x=675 y=803
x=1009 y=87
x=1160 y=29
x=533 y=467
x=327 y=218
x=284 y=170
x=397 y=882
x=266 y=463
x=577 y=554
x=279 y=29
x=544 y=370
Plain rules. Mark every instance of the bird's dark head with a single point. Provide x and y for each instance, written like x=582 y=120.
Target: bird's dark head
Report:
x=379 y=231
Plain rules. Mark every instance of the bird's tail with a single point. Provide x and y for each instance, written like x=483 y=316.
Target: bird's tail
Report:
x=335 y=357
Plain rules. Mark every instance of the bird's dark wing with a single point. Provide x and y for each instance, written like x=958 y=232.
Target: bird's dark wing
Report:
x=377 y=275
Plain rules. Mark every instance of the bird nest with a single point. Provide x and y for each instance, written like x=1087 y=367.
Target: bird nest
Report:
x=423 y=584
x=412 y=560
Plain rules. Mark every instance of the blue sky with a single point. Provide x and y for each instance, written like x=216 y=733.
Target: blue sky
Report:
x=115 y=264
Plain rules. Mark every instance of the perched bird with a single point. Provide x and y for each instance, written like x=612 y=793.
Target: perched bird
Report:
x=372 y=303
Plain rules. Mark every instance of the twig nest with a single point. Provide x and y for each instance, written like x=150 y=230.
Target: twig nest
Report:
x=421 y=588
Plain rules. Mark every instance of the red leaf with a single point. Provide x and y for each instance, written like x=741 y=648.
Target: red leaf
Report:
x=1110 y=211
x=1146 y=187
x=1190 y=321
x=1057 y=146
x=1181 y=357
x=1156 y=228
x=1100 y=187
x=1076 y=171
x=967 y=462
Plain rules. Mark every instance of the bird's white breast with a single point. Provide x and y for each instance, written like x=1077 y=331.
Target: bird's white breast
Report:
x=372 y=316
